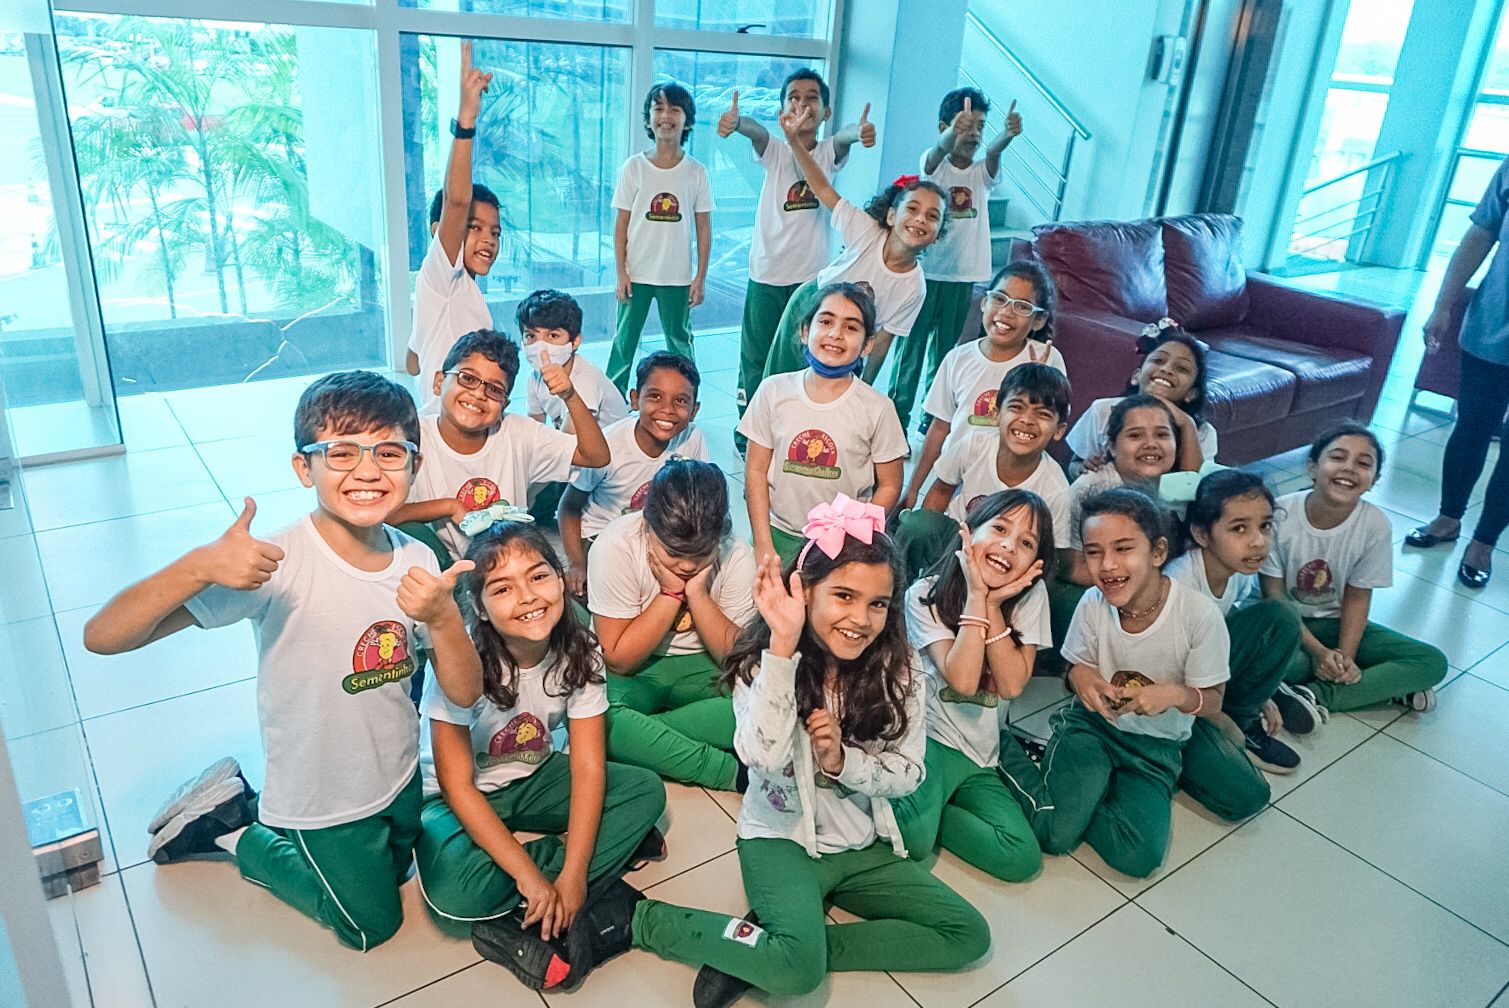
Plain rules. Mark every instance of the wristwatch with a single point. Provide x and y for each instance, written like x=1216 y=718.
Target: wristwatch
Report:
x=461 y=132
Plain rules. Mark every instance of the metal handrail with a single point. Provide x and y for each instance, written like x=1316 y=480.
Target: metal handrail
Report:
x=1032 y=78
x=1375 y=163
x=1370 y=194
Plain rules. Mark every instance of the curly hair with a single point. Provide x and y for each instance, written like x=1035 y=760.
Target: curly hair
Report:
x=948 y=592
x=883 y=202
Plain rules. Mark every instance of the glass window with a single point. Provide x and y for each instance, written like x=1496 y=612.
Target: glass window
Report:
x=232 y=186
x=1371 y=40
x=1489 y=128
x=799 y=18
x=572 y=10
x=731 y=168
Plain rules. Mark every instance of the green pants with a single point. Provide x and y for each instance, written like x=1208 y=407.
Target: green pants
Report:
x=966 y=808
x=923 y=538
x=786 y=348
x=347 y=876
x=463 y=883
x=426 y=534
x=787 y=546
x=672 y=717
x=1217 y=774
x=1392 y=665
x=674 y=306
x=1263 y=637
x=939 y=323
x=763 y=306
x=1063 y=599
x=1111 y=789
x=912 y=921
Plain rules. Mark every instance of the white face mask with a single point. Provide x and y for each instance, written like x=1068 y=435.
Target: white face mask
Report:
x=538 y=352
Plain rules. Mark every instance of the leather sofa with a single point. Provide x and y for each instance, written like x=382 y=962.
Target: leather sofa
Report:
x=1284 y=363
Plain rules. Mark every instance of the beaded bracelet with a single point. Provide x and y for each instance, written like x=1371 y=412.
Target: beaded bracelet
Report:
x=1200 y=703
x=1000 y=636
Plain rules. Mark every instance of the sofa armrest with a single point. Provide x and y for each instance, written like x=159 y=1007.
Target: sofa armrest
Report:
x=1100 y=351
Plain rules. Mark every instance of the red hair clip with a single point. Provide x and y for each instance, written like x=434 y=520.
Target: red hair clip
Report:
x=902 y=181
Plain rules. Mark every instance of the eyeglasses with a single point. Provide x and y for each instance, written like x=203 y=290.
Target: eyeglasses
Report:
x=344 y=456
x=1021 y=309
x=470 y=382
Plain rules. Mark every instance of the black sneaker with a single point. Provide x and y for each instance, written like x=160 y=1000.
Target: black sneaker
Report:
x=191 y=834
x=1268 y=753
x=1298 y=709
x=651 y=848
x=1422 y=702
x=602 y=929
x=199 y=794
x=715 y=988
x=506 y=941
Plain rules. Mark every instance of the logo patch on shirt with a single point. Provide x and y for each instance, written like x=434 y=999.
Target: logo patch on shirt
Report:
x=742 y=931
x=822 y=780
x=664 y=208
x=478 y=493
x=636 y=502
x=812 y=453
x=961 y=202
x=1315 y=583
x=381 y=657
x=800 y=197
x=977 y=498
x=1129 y=681
x=985 y=413
x=984 y=698
x=525 y=739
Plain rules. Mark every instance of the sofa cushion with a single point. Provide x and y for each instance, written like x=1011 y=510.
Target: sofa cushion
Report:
x=1202 y=261
x=1111 y=266
x=1241 y=392
x=1326 y=376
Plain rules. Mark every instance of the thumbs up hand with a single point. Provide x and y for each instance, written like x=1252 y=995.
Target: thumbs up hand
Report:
x=1013 y=121
x=237 y=559
x=866 y=128
x=425 y=598
x=728 y=122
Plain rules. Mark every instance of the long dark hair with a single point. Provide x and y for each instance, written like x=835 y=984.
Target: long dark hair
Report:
x=872 y=689
x=1211 y=496
x=1045 y=294
x=573 y=644
x=1195 y=404
x=948 y=592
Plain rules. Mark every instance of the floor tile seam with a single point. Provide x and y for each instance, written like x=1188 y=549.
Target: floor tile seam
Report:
x=732 y=818
x=629 y=877
x=1502 y=991
x=441 y=979
x=1486 y=682
x=222 y=499
x=141 y=953
x=1372 y=734
x=1213 y=960
x=153 y=703
x=78 y=934
x=1454 y=769
x=1056 y=949
x=904 y=992
x=1235 y=829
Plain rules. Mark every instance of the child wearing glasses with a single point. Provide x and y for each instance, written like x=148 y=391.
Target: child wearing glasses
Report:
x=477 y=456
x=1017 y=317
x=342 y=604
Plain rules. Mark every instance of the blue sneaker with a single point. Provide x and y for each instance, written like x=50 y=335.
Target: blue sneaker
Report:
x=1268 y=753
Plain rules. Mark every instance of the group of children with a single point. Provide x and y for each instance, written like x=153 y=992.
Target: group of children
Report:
x=849 y=671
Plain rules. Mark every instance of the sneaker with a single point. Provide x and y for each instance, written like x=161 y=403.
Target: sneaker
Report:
x=520 y=950
x=191 y=834
x=1298 y=708
x=202 y=793
x=1268 y=753
x=602 y=929
x=651 y=848
x=716 y=989
x=1422 y=702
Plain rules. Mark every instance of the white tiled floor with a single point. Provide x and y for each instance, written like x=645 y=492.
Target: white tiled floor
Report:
x=1376 y=877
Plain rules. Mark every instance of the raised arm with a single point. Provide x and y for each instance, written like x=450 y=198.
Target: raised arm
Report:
x=792 y=124
x=456 y=206
x=732 y=122
x=963 y=120
x=998 y=143
x=862 y=132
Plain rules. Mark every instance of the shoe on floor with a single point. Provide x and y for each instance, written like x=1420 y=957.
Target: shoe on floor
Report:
x=1424 y=538
x=1268 y=753
x=651 y=848
x=1473 y=577
x=520 y=950
x=1422 y=702
x=1299 y=709
x=602 y=929
x=191 y=833
x=716 y=989
x=202 y=793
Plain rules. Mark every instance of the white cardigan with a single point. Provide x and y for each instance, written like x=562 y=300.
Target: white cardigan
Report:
x=770 y=739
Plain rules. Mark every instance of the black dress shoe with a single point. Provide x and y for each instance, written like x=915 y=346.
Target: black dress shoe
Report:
x=1472 y=577
x=1425 y=540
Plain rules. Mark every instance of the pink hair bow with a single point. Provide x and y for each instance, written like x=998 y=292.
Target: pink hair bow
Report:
x=828 y=524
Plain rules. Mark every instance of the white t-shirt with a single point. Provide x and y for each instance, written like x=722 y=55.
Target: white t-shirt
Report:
x=1189 y=569
x=602 y=399
x=518 y=453
x=964 y=391
x=820 y=450
x=1187 y=644
x=508 y=745
x=844 y=818
x=622 y=586
x=971 y=468
x=334 y=657
x=898 y=296
x=662 y=204
x=448 y=304
x=971 y=724
x=790 y=243
x=962 y=255
x=1317 y=563
x=620 y=487
x=1088 y=436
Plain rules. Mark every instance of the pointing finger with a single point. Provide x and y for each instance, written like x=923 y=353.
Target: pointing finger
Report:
x=466 y=55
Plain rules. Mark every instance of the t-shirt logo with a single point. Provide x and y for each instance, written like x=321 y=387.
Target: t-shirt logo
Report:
x=524 y=739
x=382 y=656
x=812 y=453
x=984 y=413
x=478 y=493
x=665 y=208
x=984 y=698
x=961 y=202
x=1129 y=681
x=977 y=498
x=800 y=197
x=1315 y=583
x=636 y=501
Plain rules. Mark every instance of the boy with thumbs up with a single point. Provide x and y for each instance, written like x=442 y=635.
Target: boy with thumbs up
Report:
x=961 y=258
x=790 y=241
x=342 y=604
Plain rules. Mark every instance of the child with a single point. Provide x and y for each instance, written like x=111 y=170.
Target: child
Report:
x=1147 y=658
x=992 y=585
x=1174 y=371
x=665 y=399
x=833 y=432
x=1331 y=550
x=790 y=243
x=956 y=263
x=1017 y=317
x=662 y=198
x=668 y=588
x=464 y=234
x=480 y=456
x=492 y=768
x=333 y=831
x=550 y=325
x=829 y=708
x=882 y=244
x=1035 y=405
x=1230 y=523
